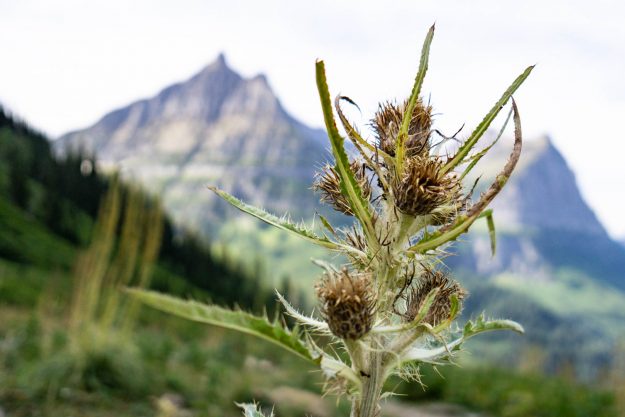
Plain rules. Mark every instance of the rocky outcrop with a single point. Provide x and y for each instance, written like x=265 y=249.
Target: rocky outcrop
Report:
x=216 y=128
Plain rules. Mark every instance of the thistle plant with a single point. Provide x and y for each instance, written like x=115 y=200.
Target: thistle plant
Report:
x=392 y=307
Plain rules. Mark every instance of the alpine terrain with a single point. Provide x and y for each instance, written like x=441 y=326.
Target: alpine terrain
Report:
x=555 y=270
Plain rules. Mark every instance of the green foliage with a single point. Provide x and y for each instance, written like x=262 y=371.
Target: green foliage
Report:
x=349 y=186
x=482 y=325
x=112 y=368
x=504 y=393
x=283 y=224
x=22 y=285
x=211 y=370
x=412 y=101
x=27 y=241
x=274 y=332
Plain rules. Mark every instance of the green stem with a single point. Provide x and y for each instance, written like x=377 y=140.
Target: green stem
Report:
x=368 y=404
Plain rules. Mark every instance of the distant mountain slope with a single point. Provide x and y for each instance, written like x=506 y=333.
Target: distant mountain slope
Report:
x=49 y=208
x=215 y=128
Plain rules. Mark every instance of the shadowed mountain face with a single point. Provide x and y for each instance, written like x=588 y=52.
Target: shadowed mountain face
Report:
x=216 y=128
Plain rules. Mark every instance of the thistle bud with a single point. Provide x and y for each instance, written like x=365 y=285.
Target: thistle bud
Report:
x=347 y=303
x=423 y=187
x=328 y=183
x=440 y=310
x=388 y=120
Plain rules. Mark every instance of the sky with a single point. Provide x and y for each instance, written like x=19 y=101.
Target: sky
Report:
x=66 y=63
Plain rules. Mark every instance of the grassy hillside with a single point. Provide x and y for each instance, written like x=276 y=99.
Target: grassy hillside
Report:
x=48 y=211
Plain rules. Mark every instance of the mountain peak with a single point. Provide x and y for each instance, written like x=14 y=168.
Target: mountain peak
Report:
x=204 y=129
x=218 y=68
x=218 y=65
x=260 y=78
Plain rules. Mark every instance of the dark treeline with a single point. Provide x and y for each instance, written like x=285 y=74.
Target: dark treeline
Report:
x=64 y=193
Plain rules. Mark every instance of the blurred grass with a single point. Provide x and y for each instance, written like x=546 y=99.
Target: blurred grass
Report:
x=204 y=370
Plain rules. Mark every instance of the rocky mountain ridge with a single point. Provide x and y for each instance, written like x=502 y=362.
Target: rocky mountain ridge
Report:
x=216 y=128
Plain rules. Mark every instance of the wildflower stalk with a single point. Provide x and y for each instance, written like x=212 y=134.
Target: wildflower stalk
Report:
x=393 y=305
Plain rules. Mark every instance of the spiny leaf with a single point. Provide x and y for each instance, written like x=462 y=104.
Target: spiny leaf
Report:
x=476 y=158
x=286 y=225
x=252 y=410
x=327 y=224
x=454 y=310
x=326 y=266
x=241 y=321
x=412 y=102
x=427 y=305
x=349 y=186
x=485 y=124
x=433 y=355
x=482 y=325
x=308 y=321
x=437 y=354
x=333 y=368
x=439 y=238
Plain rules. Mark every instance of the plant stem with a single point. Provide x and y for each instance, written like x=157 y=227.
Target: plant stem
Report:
x=368 y=404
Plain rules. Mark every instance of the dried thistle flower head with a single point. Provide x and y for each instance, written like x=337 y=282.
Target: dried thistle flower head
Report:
x=441 y=307
x=387 y=122
x=423 y=187
x=347 y=303
x=328 y=183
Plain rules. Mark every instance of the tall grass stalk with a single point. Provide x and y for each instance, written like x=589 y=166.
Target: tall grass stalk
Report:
x=124 y=248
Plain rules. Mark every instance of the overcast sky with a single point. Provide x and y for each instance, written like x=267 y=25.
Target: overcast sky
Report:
x=66 y=63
